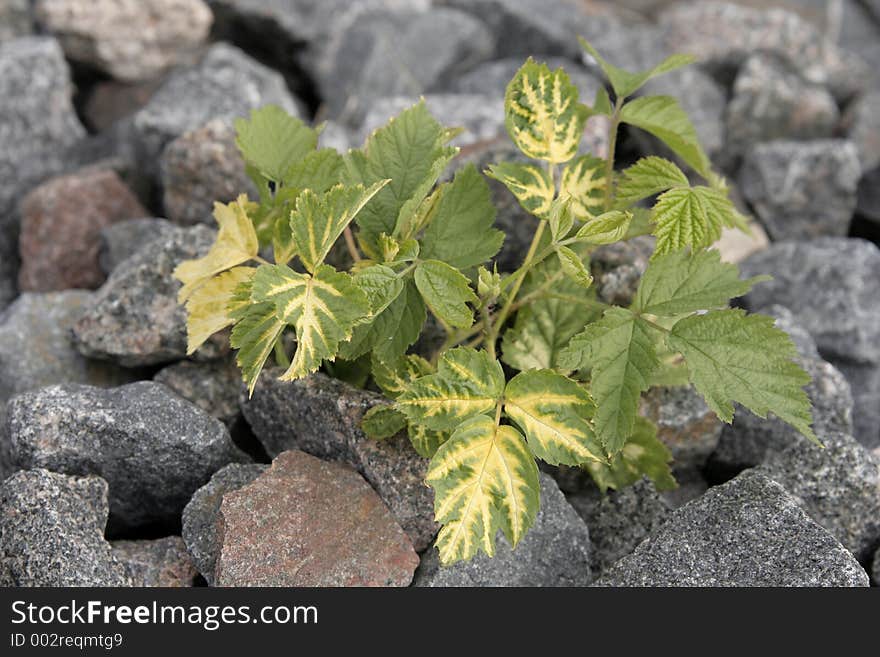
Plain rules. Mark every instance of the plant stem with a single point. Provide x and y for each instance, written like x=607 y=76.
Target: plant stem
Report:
x=612 y=146
x=351 y=245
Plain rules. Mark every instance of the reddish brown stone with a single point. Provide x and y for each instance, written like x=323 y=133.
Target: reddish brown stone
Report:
x=61 y=222
x=308 y=522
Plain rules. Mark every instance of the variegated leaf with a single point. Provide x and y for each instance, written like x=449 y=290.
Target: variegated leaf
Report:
x=210 y=307
x=382 y=421
x=394 y=378
x=529 y=183
x=426 y=441
x=607 y=228
x=643 y=455
x=583 y=181
x=257 y=329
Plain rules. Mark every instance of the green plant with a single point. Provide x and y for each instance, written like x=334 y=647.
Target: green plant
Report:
x=575 y=367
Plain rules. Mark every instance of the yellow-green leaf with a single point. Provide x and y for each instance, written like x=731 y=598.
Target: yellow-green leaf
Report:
x=643 y=455
x=529 y=183
x=382 y=421
x=257 y=329
x=393 y=378
x=573 y=267
x=583 y=181
x=690 y=216
x=210 y=308
x=272 y=141
x=426 y=441
x=607 y=228
x=542 y=113
x=484 y=479
x=650 y=175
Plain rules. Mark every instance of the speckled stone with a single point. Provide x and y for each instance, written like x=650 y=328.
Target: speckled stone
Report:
x=161 y=562
x=121 y=240
x=214 y=386
x=862 y=122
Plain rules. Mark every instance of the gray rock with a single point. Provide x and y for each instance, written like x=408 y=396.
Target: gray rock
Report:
x=16 y=19
x=747 y=532
x=875 y=568
x=213 y=386
x=391 y=53
x=321 y=416
x=555 y=552
x=134 y=319
x=618 y=268
x=619 y=520
x=862 y=121
x=162 y=562
x=199 y=168
x=864 y=380
x=123 y=239
x=723 y=35
x=801 y=190
x=52 y=532
x=868 y=202
x=832 y=285
x=335 y=135
x=200 y=515
x=838 y=487
x=153 y=448
x=226 y=84
x=492 y=78
x=127 y=40
x=771 y=101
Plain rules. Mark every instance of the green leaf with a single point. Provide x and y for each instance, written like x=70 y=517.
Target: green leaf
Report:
x=690 y=216
x=318 y=170
x=554 y=413
x=394 y=377
x=319 y=220
x=625 y=83
x=664 y=118
x=735 y=357
x=561 y=219
x=529 y=183
x=644 y=455
x=583 y=181
x=467 y=383
x=323 y=308
x=677 y=283
x=446 y=291
x=647 y=177
x=380 y=283
x=484 y=479
x=390 y=333
x=602 y=103
x=573 y=267
x=620 y=351
x=607 y=228
x=426 y=441
x=460 y=232
x=210 y=308
x=272 y=141
x=542 y=113
x=382 y=421
x=257 y=329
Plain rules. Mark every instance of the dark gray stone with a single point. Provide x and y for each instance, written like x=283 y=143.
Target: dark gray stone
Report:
x=619 y=520
x=801 y=190
x=200 y=515
x=862 y=121
x=214 y=386
x=832 y=285
x=875 y=568
x=868 y=203
x=747 y=532
x=122 y=240
x=134 y=319
x=618 y=268
x=162 y=562
x=52 y=532
x=492 y=78
x=770 y=101
x=321 y=416
x=838 y=487
x=153 y=448
x=555 y=552
x=864 y=381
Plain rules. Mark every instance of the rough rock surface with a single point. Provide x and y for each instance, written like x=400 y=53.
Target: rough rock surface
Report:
x=838 y=486
x=863 y=128
x=121 y=240
x=199 y=168
x=801 y=190
x=321 y=416
x=160 y=562
x=61 y=222
x=619 y=520
x=555 y=552
x=833 y=287
x=52 y=532
x=134 y=319
x=618 y=268
x=213 y=386
x=747 y=532
x=864 y=381
x=16 y=19
x=153 y=448
x=200 y=515
x=127 y=39
x=307 y=522
x=875 y=568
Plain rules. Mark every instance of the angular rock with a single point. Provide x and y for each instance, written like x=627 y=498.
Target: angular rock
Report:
x=200 y=514
x=556 y=551
x=225 y=84
x=397 y=53
x=723 y=35
x=771 y=101
x=321 y=416
x=134 y=319
x=161 y=562
x=121 y=240
x=307 y=522
x=52 y=532
x=61 y=222
x=127 y=39
x=747 y=532
x=16 y=19
x=801 y=190
x=862 y=123
x=213 y=386
x=492 y=78
x=199 y=168
x=832 y=285
x=110 y=101
x=619 y=520
x=838 y=487
x=153 y=448
x=864 y=380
